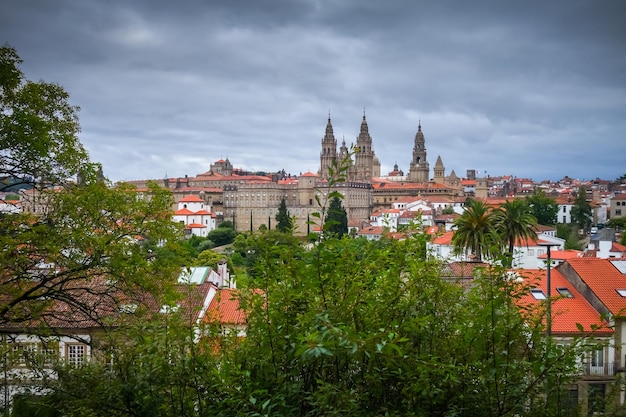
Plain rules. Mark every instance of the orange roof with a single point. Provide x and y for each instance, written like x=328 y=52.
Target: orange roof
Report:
x=195 y=226
x=308 y=174
x=225 y=308
x=191 y=199
x=372 y=230
x=567 y=313
x=444 y=239
x=563 y=254
x=616 y=247
x=432 y=230
x=604 y=279
x=183 y=212
x=292 y=180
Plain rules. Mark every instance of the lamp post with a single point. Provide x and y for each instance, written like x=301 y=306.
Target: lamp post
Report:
x=548 y=245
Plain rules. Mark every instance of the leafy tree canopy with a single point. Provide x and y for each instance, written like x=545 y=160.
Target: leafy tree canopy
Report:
x=337 y=219
x=544 y=208
x=77 y=230
x=39 y=143
x=351 y=327
x=581 y=209
x=282 y=217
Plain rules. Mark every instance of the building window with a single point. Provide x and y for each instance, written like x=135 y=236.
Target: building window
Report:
x=24 y=353
x=597 y=357
x=75 y=353
x=565 y=292
x=538 y=294
x=621 y=292
x=531 y=252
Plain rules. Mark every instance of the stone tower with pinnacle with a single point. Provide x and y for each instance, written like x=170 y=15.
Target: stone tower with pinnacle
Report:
x=329 y=150
x=419 y=168
x=439 y=171
x=365 y=161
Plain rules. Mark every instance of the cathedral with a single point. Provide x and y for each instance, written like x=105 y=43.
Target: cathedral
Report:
x=361 y=165
x=365 y=165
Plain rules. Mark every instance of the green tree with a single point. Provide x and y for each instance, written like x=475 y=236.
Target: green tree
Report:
x=448 y=210
x=581 y=209
x=570 y=234
x=209 y=258
x=222 y=236
x=514 y=222
x=227 y=223
x=544 y=208
x=38 y=130
x=337 y=219
x=81 y=230
x=351 y=327
x=284 y=221
x=475 y=231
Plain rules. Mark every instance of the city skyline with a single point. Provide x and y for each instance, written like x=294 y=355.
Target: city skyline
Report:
x=531 y=90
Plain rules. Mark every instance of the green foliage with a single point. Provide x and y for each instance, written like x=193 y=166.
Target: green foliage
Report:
x=544 y=208
x=158 y=369
x=282 y=217
x=514 y=222
x=222 y=236
x=448 y=210
x=84 y=228
x=351 y=327
x=475 y=230
x=337 y=219
x=38 y=130
x=209 y=258
x=227 y=223
x=581 y=210
x=570 y=234
x=87 y=231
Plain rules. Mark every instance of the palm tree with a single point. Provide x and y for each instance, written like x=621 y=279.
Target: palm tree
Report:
x=475 y=231
x=514 y=222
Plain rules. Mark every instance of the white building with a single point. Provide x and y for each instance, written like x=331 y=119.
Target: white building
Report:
x=196 y=215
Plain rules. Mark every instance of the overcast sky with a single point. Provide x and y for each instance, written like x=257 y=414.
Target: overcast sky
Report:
x=525 y=88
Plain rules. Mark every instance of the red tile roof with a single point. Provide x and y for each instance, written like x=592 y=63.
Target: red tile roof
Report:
x=184 y=212
x=191 y=199
x=444 y=239
x=225 y=308
x=563 y=254
x=372 y=230
x=616 y=247
x=567 y=313
x=603 y=278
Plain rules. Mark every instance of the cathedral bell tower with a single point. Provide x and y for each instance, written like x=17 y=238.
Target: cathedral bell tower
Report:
x=329 y=150
x=364 y=157
x=419 y=169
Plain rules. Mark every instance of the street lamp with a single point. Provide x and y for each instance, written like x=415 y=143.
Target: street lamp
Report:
x=548 y=245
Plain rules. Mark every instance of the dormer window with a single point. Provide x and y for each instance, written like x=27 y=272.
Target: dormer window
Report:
x=128 y=308
x=565 y=292
x=166 y=309
x=538 y=294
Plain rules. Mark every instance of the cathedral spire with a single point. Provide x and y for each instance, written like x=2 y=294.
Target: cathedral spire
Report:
x=329 y=149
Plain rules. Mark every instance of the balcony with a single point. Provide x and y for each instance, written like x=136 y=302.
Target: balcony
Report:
x=606 y=369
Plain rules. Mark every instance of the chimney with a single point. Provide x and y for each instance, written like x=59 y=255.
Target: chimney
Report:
x=222 y=271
